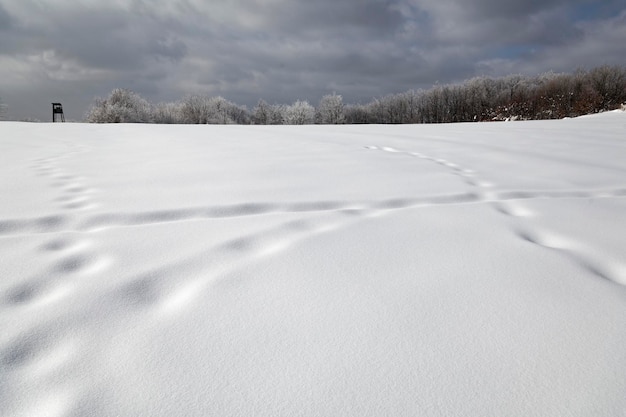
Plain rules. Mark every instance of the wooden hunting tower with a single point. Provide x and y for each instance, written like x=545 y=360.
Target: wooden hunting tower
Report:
x=57 y=108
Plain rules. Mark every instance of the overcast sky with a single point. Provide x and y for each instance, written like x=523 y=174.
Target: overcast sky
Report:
x=282 y=50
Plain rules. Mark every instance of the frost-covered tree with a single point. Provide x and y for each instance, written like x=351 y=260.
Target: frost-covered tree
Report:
x=331 y=110
x=219 y=111
x=412 y=110
x=357 y=114
x=300 y=113
x=195 y=109
x=3 y=109
x=198 y=109
x=168 y=113
x=261 y=114
x=277 y=114
x=122 y=106
x=239 y=114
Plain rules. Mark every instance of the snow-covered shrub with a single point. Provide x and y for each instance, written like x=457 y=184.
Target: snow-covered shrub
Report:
x=300 y=113
x=122 y=106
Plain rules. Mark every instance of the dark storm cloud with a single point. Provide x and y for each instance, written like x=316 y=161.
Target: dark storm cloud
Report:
x=173 y=49
x=283 y=50
x=6 y=21
x=486 y=10
x=332 y=16
x=491 y=22
x=108 y=39
x=510 y=9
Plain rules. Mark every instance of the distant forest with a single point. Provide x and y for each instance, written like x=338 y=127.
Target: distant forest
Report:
x=514 y=97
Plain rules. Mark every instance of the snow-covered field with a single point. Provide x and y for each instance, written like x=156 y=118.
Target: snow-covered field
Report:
x=429 y=270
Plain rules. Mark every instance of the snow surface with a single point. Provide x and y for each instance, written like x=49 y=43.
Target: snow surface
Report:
x=429 y=270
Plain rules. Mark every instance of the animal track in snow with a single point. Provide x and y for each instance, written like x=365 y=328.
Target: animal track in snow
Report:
x=44 y=224
x=503 y=201
x=512 y=208
x=509 y=204
x=79 y=263
x=75 y=193
x=156 y=285
x=456 y=169
x=590 y=259
x=24 y=293
x=109 y=220
x=70 y=258
x=37 y=292
x=167 y=289
x=26 y=348
x=78 y=204
x=39 y=353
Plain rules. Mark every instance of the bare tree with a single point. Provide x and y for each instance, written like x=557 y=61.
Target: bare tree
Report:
x=610 y=83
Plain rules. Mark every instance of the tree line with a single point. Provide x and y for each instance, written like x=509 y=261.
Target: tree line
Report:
x=513 y=97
